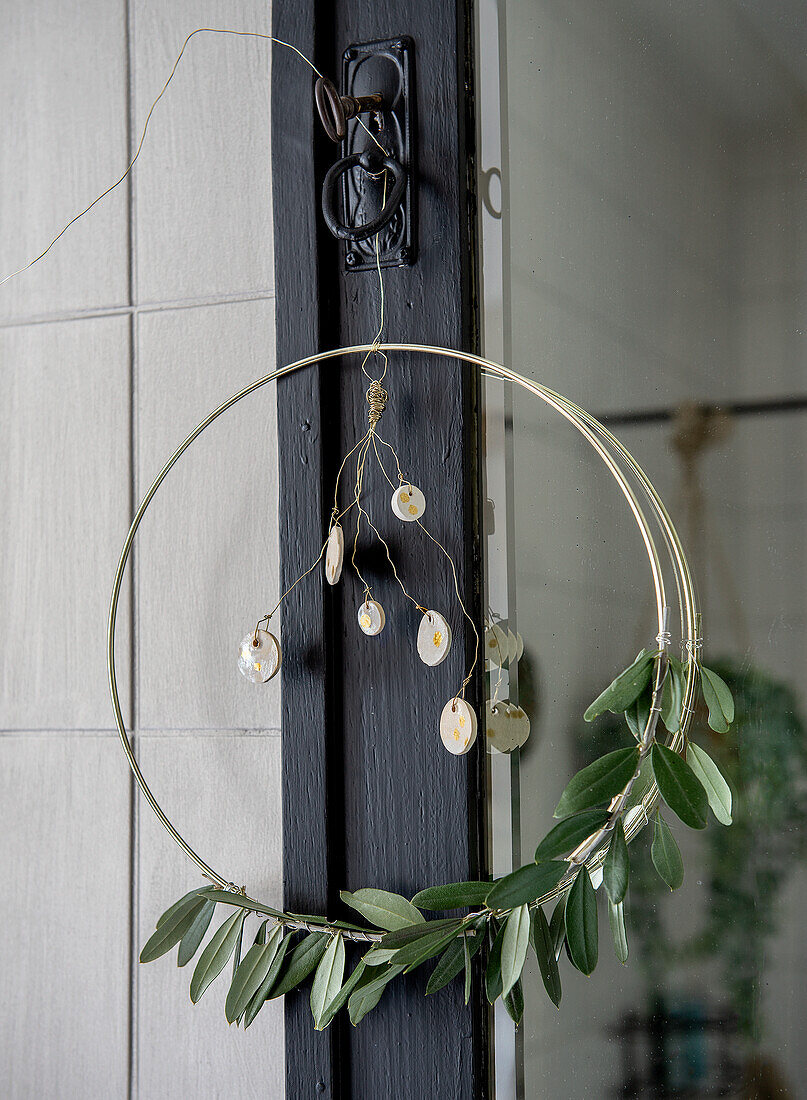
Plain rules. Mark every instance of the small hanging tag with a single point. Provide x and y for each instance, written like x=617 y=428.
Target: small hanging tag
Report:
x=497 y=648
x=371 y=618
x=507 y=727
x=434 y=638
x=259 y=656
x=334 y=554
x=408 y=503
x=458 y=726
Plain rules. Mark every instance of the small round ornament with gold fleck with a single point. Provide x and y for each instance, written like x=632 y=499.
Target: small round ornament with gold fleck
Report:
x=458 y=726
x=497 y=647
x=259 y=656
x=334 y=554
x=408 y=503
x=371 y=618
x=507 y=727
x=434 y=638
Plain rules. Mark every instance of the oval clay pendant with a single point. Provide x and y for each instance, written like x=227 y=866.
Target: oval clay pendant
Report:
x=259 y=656
x=408 y=503
x=458 y=726
x=434 y=638
x=371 y=618
x=334 y=554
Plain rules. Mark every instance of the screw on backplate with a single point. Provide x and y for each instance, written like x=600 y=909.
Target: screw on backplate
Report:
x=405 y=254
x=351 y=258
x=349 y=54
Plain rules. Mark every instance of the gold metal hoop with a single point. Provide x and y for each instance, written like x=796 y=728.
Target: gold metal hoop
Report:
x=609 y=449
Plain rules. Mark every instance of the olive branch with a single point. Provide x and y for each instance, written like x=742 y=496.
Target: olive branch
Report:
x=505 y=916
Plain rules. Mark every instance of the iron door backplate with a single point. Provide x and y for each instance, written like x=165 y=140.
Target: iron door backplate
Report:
x=387 y=67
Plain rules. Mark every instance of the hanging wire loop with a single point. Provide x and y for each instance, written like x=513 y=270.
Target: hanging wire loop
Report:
x=609 y=449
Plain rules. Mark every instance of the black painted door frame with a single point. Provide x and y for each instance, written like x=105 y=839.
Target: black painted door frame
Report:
x=370 y=797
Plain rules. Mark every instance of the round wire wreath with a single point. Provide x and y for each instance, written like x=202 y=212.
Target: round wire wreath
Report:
x=506 y=914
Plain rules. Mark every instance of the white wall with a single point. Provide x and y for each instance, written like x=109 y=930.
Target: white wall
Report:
x=149 y=311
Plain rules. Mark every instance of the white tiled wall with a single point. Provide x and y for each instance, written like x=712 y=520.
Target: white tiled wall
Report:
x=145 y=315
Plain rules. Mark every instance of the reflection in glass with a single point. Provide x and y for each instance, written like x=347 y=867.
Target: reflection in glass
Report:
x=642 y=170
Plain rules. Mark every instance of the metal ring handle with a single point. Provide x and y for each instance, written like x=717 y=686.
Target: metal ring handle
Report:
x=372 y=164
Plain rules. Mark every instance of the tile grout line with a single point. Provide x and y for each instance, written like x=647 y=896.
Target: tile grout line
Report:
x=134 y=839
x=135 y=309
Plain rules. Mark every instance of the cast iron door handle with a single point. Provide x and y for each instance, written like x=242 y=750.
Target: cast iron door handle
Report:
x=373 y=164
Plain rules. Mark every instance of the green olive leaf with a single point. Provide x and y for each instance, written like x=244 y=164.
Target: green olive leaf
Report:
x=173 y=928
x=626 y=688
x=382 y=908
x=250 y=975
x=262 y=995
x=718 y=699
x=178 y=904
x=581 y=923
x=301 y=962
x=217 y=953
x=514 y=1003
x=557 y=925
x=453 y=959
x=672 y=695
x=666 y=855
x=454 y=895
x=363 y=999
x=344 y=993
x=493 y=973
x=679 y=786
x=328 y=978
x=191 y=940
x=599 y=781
x=637 y=714
x=402 y=937
x=568 y=833
x=616 y=918
x=544 y=948
x=514 y=947
x=717 y=789
x=526 y=884
x=616 y=867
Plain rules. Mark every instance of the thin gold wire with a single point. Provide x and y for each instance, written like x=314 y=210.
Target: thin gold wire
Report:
x=163 y=90
x=599 y=438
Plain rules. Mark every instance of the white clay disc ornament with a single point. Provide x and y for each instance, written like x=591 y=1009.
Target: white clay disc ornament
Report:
x=458 y=726
x=434 y=638
x=408 y=503
x=519 y=646
x=507 y=727
x=497 y=647
x=259 y=656
x=512 y=648
x=371 y=618
x=334 y=554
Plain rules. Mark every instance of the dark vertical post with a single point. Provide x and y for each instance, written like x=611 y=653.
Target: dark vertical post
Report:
x=370 y=795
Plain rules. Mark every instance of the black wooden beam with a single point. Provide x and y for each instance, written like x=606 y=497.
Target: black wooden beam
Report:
x=370 y=795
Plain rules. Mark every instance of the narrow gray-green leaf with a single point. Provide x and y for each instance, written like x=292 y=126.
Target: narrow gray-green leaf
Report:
x=229 y=897
x=581 y=923
x=557 y=925
x=666 y=856
x=377 y=956
x=680 y=787
x=189 y=944
x=216 y=954
x=328 y=978
x=514 y=946
x=625 y=689
x=718 y=699
x=454 y=957
x=423 y=949
x=260 y=935
x=598 y=782
x=250 y=975
x=366 y=997
x=344 y=993
x=237 y=952
x=454 y=895
x=401 y=937
x=526 y=884
x=303 y=960
x=638 y=713
x=265 y=988
x=493 y=974
x=514 y=1003
x=184 y=900
x=382 y=908
x=172 y=929
x=567 y=834
x=616 y=918
x=616 y=868
x=717 y=789
x=672 y=695
x=544 y=948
